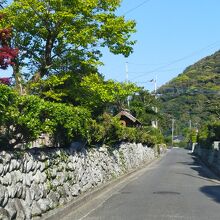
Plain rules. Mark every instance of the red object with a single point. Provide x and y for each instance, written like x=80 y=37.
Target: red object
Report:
x=5 y=34
x=7 y=54
x=5 y=80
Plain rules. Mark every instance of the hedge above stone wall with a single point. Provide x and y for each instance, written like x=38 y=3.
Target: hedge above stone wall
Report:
x=36 y=181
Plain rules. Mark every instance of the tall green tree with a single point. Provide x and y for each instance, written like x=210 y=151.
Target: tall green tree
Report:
x=213 y=106
x=57 y=36
x=100 y=95
x=143 y=105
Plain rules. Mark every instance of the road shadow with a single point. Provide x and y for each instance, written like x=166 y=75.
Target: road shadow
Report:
x=203 y=169
x=198 y=177
x=212 y=192
x=204 y=172
x=187 y=163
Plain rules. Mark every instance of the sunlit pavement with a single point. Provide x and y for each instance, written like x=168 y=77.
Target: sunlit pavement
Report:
x=178 y=187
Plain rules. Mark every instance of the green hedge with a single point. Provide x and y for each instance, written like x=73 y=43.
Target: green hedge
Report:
x=110 y=131
x=24 y=118
x=208 y=134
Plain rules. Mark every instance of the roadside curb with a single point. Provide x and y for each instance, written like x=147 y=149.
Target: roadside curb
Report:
x=60 y=212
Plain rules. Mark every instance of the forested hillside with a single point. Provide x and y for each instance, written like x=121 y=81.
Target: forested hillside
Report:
x=193 y=97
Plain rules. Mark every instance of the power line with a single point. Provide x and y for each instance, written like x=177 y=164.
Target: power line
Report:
x=172 y=91
x=146 y=64
x=165 y=70
x=136 y=7
x=178 y=60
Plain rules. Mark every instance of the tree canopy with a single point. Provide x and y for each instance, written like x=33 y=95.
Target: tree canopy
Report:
x=58 y=89
x=143 y=106
x=57 y=36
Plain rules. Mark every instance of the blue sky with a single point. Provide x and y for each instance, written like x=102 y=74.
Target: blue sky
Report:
x=171 y=35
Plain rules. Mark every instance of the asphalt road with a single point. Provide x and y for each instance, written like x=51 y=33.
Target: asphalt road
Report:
x=178 y=187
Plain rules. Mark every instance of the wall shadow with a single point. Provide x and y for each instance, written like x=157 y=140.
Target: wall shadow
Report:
x=203 y=169
x=204 y=172
x=212 y=192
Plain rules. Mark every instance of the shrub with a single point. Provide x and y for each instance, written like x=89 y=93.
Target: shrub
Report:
x=110 y=131
x=96 y=133
x=8 y=98
x=24 y=118
x=65 y=122
x=209 y=133
x=214 y=131
x=22 y=121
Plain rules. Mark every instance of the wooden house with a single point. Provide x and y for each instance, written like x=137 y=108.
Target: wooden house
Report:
x=127 y=119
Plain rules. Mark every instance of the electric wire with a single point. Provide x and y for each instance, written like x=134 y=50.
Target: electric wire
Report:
x=136 y=7
x=178 y=60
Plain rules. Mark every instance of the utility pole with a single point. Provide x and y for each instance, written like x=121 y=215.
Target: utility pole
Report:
x=126 y=72
x=190 y=124
x=155 y=85
x=155 y=91
x=173 y=121
x=155 y=123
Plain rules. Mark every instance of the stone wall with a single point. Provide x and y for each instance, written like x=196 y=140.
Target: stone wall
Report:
x=209 y=156
x=36 y=181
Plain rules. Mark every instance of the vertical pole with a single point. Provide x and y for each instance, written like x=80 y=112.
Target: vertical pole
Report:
x=155 y=91
x=173 y=121
x=126 y=72
x=190 y=133
x=155 y=85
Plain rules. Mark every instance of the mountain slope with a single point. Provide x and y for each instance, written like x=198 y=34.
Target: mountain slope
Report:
x=193 y=97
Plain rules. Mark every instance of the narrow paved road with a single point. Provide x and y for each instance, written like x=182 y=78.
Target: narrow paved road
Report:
x=176 y=188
